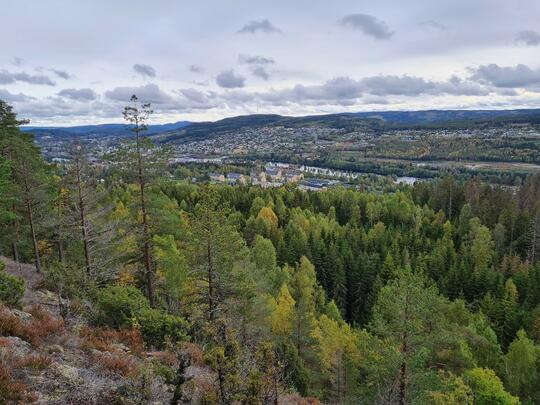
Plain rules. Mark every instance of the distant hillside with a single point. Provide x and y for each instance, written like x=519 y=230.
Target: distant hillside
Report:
x=446 y=116
x=202 y=130
x=103 y=130
x=182 y=131
x=351 y=121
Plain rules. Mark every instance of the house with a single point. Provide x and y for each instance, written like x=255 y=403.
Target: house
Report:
x=313 y=184
x=275 y=173
x=217 y=177
x=293 y=176
x=234 y=178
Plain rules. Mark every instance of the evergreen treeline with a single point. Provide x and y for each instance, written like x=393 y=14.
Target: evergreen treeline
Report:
x=428 y=295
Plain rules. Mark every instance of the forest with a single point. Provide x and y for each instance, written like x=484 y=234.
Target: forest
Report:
x=426 y=295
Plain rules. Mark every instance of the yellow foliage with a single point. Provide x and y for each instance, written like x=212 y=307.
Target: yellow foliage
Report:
x=268 y=216
x=282 y=316
x=336 y=341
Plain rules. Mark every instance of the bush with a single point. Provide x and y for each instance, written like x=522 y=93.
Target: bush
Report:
x=11 y=288
x=13 y=391
x=117 y=307
x=157 y=327
x=123 y=307
x=121 y=364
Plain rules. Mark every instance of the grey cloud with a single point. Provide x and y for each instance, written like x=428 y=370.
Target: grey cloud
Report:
x=435 y=25
x=197 y=99
x=348 y=91
x=260 y=71
x=78 y=94
x=150 y=93
x=61 y=73
x=506 y=76
x=8 y=78
x=5 y=95
x=229 y=79
x=18 y=61
x=196 y=69
x=529 y=37
x=414 y=86
x=144 y=70
x=259 y=26
x=368 y=24
x=194 y=95
x=255 y=60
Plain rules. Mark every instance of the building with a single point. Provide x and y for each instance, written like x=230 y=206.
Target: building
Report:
x=217 y=177
x=275 y=173
x=234 y=178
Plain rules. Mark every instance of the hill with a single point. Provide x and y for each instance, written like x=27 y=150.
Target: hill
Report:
x=185 y=130
x=102 y=130
x=360 y=120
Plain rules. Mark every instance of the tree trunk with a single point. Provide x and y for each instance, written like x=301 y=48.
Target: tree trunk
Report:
x=82 y=218
x=15 y=251
x=147 y=253
x=210 y=275
x=34 y=239
x=61 y=256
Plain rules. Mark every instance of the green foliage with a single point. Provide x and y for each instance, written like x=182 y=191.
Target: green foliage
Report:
x=158 y=327
x=118 y=306
x=521 y=367
x=487 y=388
x=11 y=288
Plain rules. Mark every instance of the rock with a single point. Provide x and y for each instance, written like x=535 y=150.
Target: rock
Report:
x=24 y=316
x=67 y=372
x=47 y=297
x=15 y=346
x=55 y=349
x=119 y=347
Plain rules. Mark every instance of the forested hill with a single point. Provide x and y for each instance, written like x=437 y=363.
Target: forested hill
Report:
x=185 y=130
x=217 y=294
x=100 y=130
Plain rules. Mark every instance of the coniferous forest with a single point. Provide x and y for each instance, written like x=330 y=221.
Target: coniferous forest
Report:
x=245 y=295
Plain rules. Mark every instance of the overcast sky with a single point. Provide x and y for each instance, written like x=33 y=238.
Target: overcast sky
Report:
x=70 y=62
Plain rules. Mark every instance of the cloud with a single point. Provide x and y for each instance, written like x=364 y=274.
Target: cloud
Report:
x=384 y=85
x=144 y=70
x=529 y=37
x=260 y=71
x=368 y=24
x=61 y=73
x=228 y=79
x=345 y=91
x=255 y=60
x=506 y=76
x=150 y=93
x=264 y=26
x=78 y=94
x=196 y=99
x=434 y=25
x=18 y=61
x=196 y=69
x=5 y=95
x=8 y=78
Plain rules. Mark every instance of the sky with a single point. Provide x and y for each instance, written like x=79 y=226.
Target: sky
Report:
x=67 y=62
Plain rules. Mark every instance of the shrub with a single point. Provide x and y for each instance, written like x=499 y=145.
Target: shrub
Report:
x=11 y=390
x=11 y=288
x=158 y=327
x=118 y=363
x=122 y=307
x=43 y=325
x=117 y=306
x=36 y=362
x=103 y=339
x=11 y=325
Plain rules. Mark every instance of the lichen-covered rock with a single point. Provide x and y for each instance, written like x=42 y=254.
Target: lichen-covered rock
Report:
x=14 y=346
